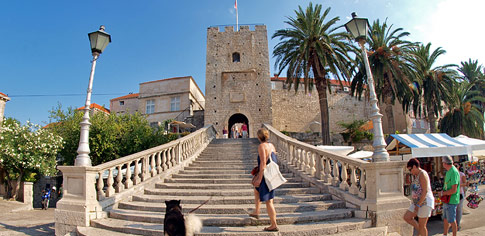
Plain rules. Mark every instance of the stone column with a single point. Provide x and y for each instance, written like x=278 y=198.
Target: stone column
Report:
x=385 y=200
x=29 y=194
x=79 y=204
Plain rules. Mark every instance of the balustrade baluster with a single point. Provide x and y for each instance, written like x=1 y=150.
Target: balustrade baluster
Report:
x=173 y=156
x=110 y=191
x=313 y=170
x=362 y=183
x=336 y=177
x=328 y=175
x=299 y=158
x=292 y=154
x=136 y=174
x=128 y=181
x=321 y=167
x=159 y=163
x=144 y=168
x=119 y=179
x=164 y=160
x=100 y=186
x=152 y=165
x=353 y=180
x=344 y=185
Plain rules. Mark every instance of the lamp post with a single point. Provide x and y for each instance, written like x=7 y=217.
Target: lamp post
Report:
x=98 y=40
x=358 y=28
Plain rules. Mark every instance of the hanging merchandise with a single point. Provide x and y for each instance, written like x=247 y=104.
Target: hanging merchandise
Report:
x=473 y=200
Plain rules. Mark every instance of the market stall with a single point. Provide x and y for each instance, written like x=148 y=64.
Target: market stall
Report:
x=429 y=148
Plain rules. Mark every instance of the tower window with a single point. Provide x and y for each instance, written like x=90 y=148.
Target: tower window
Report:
x=236 y=57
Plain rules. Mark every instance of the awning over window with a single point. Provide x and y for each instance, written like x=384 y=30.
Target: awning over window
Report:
x=433 y=145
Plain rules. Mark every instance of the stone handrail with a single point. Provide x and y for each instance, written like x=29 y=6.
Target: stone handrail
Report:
x=149 y=163
x=321 y=164
x=90 y=189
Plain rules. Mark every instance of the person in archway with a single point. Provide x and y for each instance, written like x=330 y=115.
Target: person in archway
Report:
x=244 y=130
x=224 y=132
x=266 y=150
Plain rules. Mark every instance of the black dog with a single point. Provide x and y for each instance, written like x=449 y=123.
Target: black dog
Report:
x=175 y=224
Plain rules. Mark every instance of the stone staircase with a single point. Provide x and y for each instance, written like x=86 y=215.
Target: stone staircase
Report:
x=222 y=174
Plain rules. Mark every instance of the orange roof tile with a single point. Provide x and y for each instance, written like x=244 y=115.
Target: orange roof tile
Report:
x=133 y=95
x=94 y=105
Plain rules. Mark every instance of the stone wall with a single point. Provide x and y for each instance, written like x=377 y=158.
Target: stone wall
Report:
x=237 y=73
x=298 y=112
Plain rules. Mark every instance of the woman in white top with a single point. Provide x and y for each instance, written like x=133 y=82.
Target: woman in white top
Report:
x=423 y=199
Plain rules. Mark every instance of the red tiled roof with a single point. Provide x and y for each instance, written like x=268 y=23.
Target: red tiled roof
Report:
x=182 y=77
x=3 y=94
x=332 y=81
x=133 y=95
x=94 y=105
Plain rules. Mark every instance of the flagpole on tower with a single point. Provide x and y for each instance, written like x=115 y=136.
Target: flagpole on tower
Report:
x=237 y=17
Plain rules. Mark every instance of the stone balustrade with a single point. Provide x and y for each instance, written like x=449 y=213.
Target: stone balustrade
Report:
x=89 y=190
x=345 y=173
x=375 y=189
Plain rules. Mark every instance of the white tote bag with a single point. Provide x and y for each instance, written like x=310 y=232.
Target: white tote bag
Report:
x=272 y=175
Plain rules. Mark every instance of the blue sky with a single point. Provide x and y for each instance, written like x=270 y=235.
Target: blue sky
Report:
x=44 y=48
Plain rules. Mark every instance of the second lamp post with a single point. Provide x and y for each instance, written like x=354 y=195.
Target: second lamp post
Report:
x=358 y=28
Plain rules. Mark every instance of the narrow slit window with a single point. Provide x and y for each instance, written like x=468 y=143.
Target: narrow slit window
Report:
x=236 y=57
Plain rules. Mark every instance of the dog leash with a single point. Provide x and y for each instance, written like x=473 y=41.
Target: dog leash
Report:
x=200 y=205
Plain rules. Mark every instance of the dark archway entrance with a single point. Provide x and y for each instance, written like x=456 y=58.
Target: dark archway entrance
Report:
x=237 y=118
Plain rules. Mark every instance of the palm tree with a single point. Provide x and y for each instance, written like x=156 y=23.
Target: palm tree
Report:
x=431 y=81
x=464 y=115
x=311 y=49
x=388 y=67
x=472 y=73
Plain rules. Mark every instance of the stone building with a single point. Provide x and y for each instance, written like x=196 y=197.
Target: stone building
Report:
x=124 y=104
x=176 y=98
x=3 y=100
x=237 y=84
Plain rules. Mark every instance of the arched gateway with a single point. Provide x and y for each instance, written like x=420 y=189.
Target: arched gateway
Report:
x=237 y=118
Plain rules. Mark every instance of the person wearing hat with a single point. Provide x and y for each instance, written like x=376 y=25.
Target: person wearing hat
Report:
x=451 y=187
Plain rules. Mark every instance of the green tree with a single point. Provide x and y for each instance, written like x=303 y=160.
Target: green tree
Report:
x=110 y=136
x=27 y=149
x=388 y=66
x=464 y=115
x=432 y=81
x=311 y=49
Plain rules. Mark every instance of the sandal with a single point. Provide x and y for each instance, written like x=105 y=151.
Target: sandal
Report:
x=254 y=216
x=271 y=230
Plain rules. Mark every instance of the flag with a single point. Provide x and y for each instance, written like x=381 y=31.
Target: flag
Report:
x=235 y=5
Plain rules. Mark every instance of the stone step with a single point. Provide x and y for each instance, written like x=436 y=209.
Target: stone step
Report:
x=237 y=219
x=218 y=181
x=224 y=200
x=208 y=171
x=248 y=165
x=190 y=186
x=220 y=176
x=236 y=208
x=221 y=168
x=226 y=193
x=226 y=162
x=321 y=228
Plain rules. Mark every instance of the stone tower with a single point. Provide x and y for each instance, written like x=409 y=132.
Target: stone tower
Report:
x=237 y=86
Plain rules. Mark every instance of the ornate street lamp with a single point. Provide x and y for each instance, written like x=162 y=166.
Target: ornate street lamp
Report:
x=99 y=40
x=358 y=28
